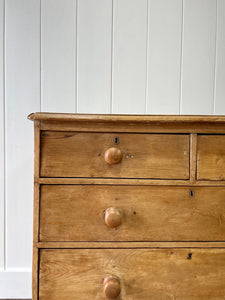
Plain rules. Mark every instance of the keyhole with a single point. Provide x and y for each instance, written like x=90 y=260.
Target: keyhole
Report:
x=192 y=194
x=189 y=256
x=116 y=140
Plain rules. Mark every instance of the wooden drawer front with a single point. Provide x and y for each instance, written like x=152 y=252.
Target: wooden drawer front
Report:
x=73 y=154
x=77 y=213
x=143 y=274
x=211 y=157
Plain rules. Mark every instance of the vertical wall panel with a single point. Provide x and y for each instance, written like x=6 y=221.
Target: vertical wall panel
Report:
x=129 y=56
x=220 y=60
x=164 y=56
x=94 y=30
x=22 y=90
x=198 y=56
x=58 y=55
x=2 y=138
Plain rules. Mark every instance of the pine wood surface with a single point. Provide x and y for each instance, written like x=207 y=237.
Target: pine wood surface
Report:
x=143 y=273
x=76 y=213
x=132 y=127
x=185 y=213
x=122 y=181
x=125 y=245
x=36 y=206
x=125 y=118
x=130 y=123
x=211 y=157
x=144 y=156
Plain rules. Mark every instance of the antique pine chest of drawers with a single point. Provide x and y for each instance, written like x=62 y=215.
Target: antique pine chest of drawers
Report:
x=128 y=207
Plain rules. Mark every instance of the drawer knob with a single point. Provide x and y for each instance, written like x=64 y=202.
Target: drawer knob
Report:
x=113 y=217
x=113 y=156
x=112 y=287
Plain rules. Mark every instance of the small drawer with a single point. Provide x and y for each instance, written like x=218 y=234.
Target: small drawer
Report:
x=114 y=155
x=132 y=274
x=211 y=157
x=131 y=213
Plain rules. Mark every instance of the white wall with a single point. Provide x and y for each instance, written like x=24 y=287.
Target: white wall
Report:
x=94 y=56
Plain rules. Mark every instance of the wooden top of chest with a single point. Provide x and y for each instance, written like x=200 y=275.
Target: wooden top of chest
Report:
x=130 y=123
x=126 y=118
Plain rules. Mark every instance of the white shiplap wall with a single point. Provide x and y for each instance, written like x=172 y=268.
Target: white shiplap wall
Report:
x=94 y=56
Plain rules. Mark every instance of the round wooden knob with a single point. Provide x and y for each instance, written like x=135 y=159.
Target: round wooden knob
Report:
x=113 y=156
x=113 y=217
x=112 y=287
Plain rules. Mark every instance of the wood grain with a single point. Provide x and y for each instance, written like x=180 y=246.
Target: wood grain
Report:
x=44 y=116
x=76 y=213
x=133 y=181
x=135 y=127
x=35 y=272
x=193 y=157
x=36 y=150
x=171 y=242
x=181 y=274
x=211 y=157
x=125 y=245
x=66 y=154
x=36 y=178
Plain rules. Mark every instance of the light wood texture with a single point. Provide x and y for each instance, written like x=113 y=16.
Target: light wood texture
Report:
x=36 y=212
x=75 y=154
x=2 y=139
x=36 y=183
x=76 y=213
x=129 y=56
x=36 y=206
x=113 y=156
x=146 y=274
x=134 y=119
x=112 y=288
x=22 y=83
x=113 y=217
x=120 y=229
x=211 y=157
x=164 y=56
x=58 y=55
x=198 y=57
x=220 y=60
x=119 y=181
x=129 y=123
x=125 y=245
x=193 y=157
x=148 y=127
x=35 y=273
x=36 y=150
x=94 y=56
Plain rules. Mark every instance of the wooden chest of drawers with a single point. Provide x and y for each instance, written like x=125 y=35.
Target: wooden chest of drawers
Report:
x=129 y=207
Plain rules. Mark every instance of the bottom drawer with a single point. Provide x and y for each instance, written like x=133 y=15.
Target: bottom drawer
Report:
x=137 y=274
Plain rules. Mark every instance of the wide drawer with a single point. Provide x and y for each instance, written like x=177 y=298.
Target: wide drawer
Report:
x=131 y=213
x=211 y=157
x=117 y=155
x=137 y=274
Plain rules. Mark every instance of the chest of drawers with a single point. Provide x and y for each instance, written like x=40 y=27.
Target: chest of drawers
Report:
x=128 y=207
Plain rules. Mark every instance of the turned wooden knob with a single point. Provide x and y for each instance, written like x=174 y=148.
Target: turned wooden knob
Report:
x=112 y=287
x=113 y=217
x=113 y=156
